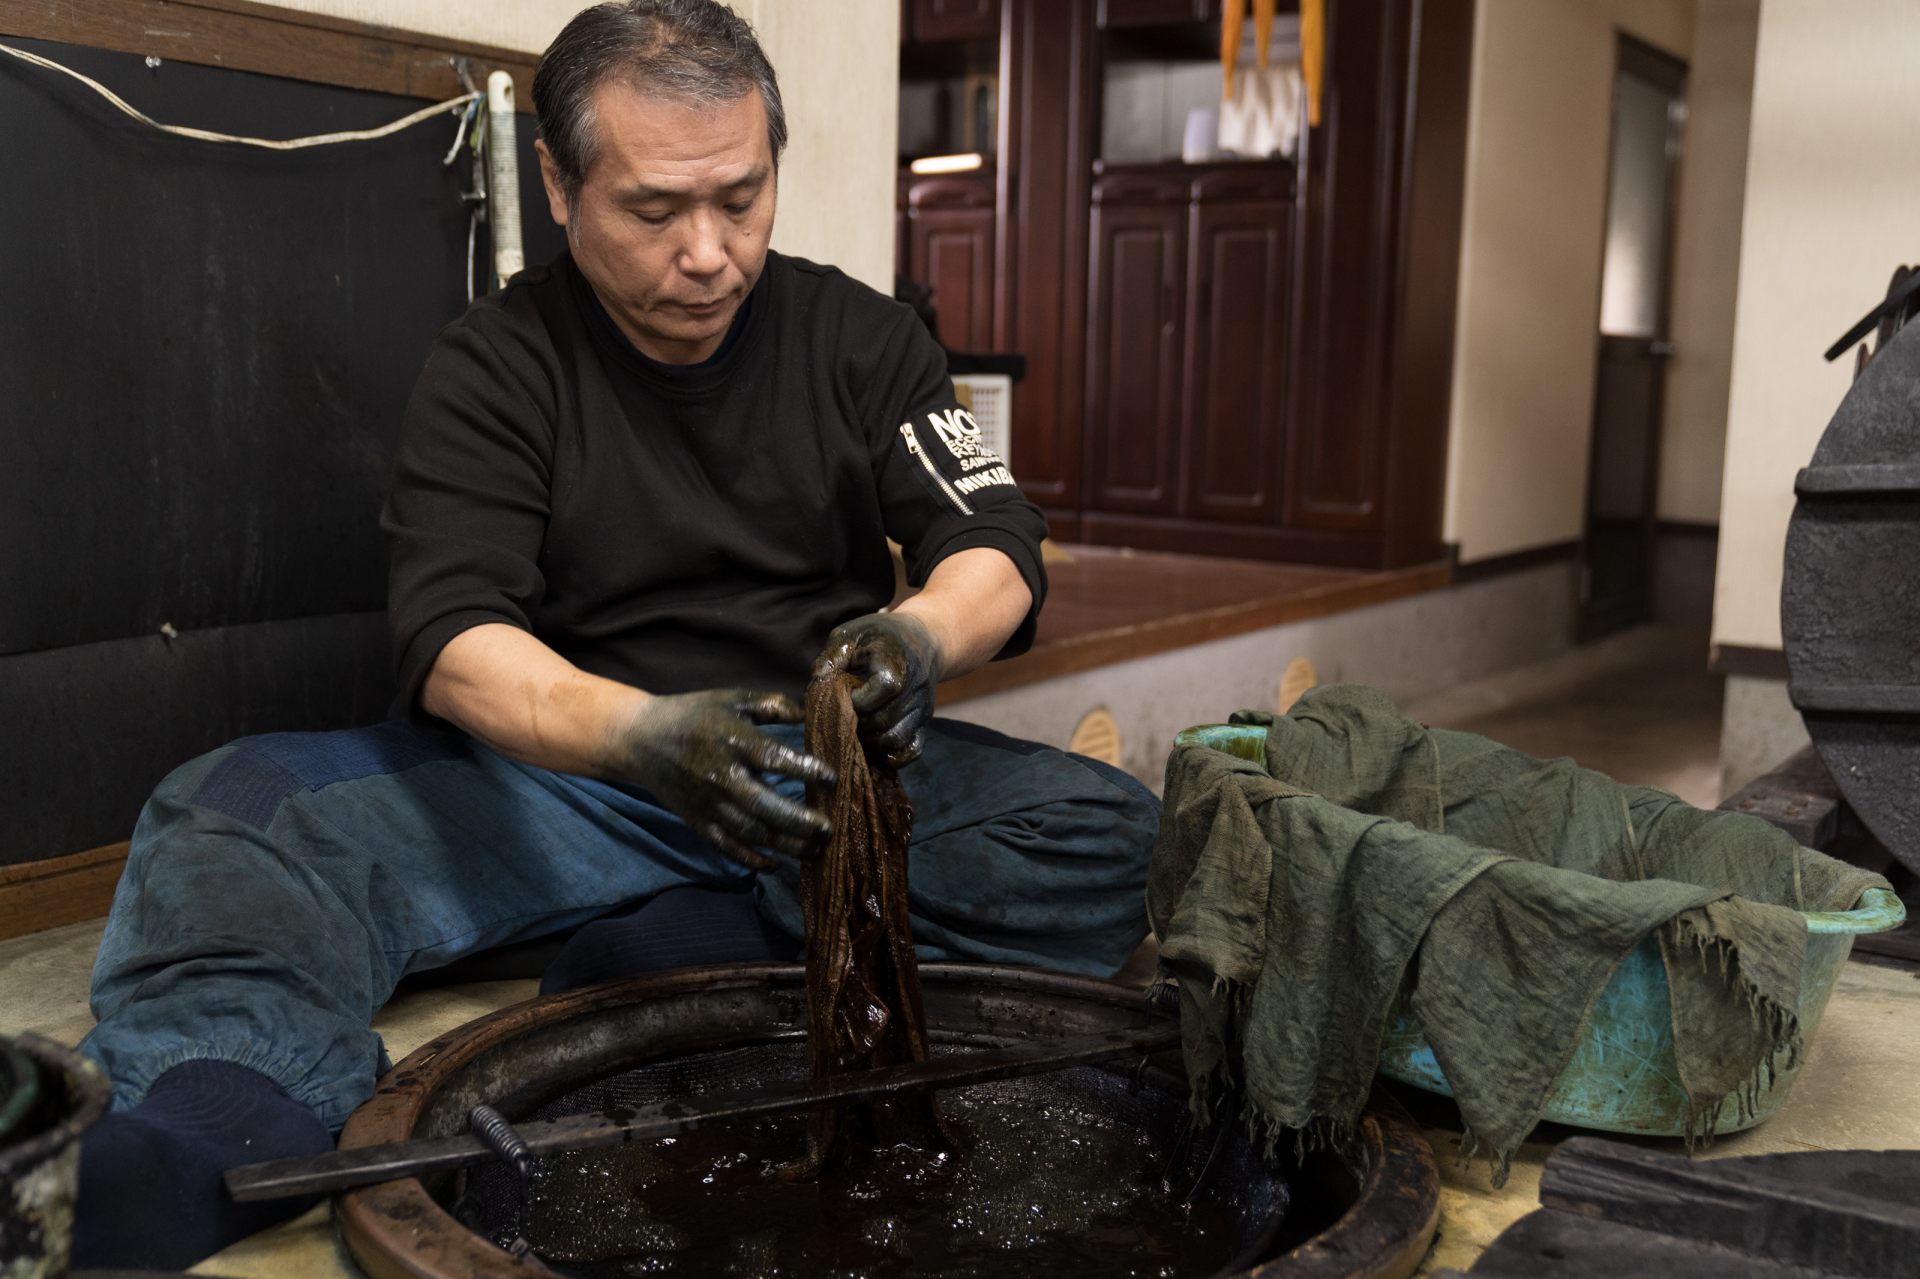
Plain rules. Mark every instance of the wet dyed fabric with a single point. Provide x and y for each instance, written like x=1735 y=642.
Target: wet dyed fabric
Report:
x=1372 y=860
x=864 y=1010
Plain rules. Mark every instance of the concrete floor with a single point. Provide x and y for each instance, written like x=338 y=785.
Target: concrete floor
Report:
x=1640 y=706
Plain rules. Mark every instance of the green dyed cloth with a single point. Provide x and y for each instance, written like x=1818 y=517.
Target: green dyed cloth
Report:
x=1373 y=860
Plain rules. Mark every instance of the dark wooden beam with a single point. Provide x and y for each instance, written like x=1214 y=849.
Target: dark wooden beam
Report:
x=246 y=36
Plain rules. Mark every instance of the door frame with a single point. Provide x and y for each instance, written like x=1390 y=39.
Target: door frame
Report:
x=1637 y=57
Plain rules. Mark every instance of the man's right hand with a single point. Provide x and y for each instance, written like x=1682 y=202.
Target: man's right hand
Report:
x=703 y=757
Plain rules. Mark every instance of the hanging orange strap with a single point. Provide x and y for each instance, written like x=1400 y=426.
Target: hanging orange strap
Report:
x=1263 y=31
x=1313 y=53
x=1230 y=22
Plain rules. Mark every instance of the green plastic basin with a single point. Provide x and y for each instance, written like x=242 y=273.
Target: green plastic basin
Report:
x=1622 y=1077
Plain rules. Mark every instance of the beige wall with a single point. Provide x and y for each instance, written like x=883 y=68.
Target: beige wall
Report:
x=1706 y=260
x=1536 y=189
x=526 y=25
x=839 y=67
x=1832 y=206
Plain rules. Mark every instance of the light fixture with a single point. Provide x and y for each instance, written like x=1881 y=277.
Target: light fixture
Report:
x=966 y=162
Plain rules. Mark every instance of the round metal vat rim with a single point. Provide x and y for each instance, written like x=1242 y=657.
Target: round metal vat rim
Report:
x=23 y=1088
x=1388 y=1229
x=88 y=1097
x=440 y=1246
x=1384 y=1234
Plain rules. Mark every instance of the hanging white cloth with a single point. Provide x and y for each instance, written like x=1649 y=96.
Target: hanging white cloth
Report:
x=1262 y=118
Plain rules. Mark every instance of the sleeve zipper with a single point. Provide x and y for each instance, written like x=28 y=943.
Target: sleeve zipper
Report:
x=913 y=447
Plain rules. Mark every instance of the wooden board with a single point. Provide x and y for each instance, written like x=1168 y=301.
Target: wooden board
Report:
x=1799 y=797
x=1846 y=1212
x=1560 y=1245
x=47 y=894
x=244 y=36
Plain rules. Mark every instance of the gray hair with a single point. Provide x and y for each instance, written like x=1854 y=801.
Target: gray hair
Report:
x=695 y=51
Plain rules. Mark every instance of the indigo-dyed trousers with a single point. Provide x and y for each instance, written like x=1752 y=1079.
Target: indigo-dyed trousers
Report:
x=279 y=888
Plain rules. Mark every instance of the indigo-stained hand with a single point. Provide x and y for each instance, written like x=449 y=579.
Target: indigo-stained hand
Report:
x=703 y=757
x=898 y=663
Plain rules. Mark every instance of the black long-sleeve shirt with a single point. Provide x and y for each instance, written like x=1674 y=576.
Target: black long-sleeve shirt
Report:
x=685 y=527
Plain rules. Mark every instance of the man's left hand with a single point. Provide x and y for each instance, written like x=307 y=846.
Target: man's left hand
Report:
x=900 y=663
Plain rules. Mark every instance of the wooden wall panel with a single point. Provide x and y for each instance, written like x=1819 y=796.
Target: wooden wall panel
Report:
x=1348 y=170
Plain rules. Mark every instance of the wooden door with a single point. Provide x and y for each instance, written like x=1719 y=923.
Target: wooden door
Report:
x=1618 y=548
x=952 y=19
x=1134 y=347
x=950 y=231
x=1236 y=359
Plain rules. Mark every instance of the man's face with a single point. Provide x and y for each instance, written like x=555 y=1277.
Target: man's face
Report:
x=671 y=222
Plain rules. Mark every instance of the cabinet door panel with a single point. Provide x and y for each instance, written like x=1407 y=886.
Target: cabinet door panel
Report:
x=1236 y=360
x=952 y=253
x=954 y=19
x=1133 y=357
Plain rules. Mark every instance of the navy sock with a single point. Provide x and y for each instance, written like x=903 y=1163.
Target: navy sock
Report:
x=151 y=1194
x=675 y=929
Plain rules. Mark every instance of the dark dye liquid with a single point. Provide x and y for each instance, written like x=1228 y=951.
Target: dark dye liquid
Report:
x=1035 y=1188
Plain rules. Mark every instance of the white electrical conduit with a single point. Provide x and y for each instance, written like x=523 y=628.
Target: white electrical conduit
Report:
x=503 y=181
x=205 y=135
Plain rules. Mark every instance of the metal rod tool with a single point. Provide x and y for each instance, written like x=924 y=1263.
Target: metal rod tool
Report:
x=345 y=1169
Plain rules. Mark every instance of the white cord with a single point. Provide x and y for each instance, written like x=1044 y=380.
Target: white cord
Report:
x=473 y=230
x=203 y=135
x=460 y=134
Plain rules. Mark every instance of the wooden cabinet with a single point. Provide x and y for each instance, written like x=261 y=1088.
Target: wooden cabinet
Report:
x=1187 y=343
x=1248 y=359
x=1157 y=13
x=934 y=20
x=1135 y=342
x=1236 y=358
x=949 y=248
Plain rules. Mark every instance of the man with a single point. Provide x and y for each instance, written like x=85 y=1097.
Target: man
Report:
x=638 y=495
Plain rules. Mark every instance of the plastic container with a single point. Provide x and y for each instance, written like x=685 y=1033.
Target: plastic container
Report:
x=1622 y=1077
